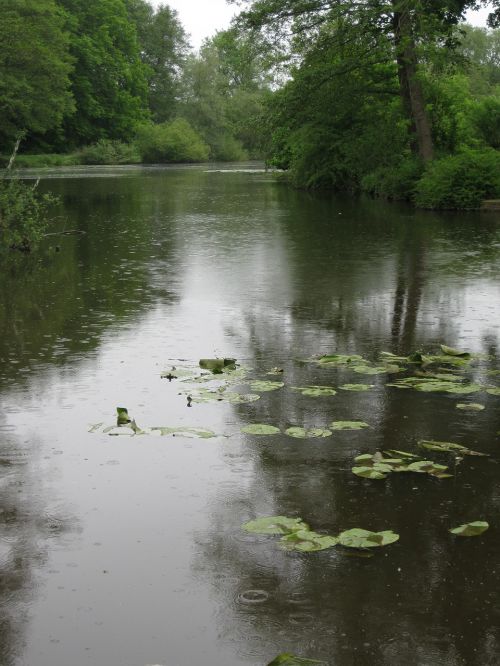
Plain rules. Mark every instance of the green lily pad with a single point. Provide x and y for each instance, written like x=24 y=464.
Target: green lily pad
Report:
x=265 y=385
x=364 y=457
x=216 y=364
x=348 y=425
x=315 y=391
x=116 y=431
x=221 y=395
x=464 y=389
x=122 y=416
x=288 y=659
x=357 y=387
x=470 y=529
x=303 y=433
x=448 y=447
x=260 y=429
x=183 y=431
x=470 y=407
x=369 y=472
x=359 y=538
x=376 y=369
x=275 y=525
x=403 y=454
x=306 y=541
x=493 y=391
x=450 y=351
x=340 y=359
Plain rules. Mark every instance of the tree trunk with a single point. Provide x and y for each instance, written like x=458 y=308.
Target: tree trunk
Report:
x=410 y=88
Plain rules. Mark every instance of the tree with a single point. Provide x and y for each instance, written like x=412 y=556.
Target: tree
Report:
x=406 y=24
x=34 y=79
x=109 y=80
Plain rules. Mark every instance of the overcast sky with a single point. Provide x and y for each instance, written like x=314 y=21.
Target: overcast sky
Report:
x=202 y=18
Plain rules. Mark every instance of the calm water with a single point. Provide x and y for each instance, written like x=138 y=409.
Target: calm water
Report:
x=129 y=551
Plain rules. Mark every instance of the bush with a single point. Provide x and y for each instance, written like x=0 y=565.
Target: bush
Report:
x=227 y=149
x=393 y=182
x=43 y=160
x=110 y=152
x=486 y=120
x=172 y=142
x=460 y=181
x=22 y=214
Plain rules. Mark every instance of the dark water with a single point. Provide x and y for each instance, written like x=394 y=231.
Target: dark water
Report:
x=129 y=551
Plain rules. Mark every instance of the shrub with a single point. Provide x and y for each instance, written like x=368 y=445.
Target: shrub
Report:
x=393 y=182
x=460 y=181
x=110 y=152
x=171 y=142
x=227 y=149
x=486 y=120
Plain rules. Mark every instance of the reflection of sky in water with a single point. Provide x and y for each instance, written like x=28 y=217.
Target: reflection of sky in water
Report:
x=129 y=551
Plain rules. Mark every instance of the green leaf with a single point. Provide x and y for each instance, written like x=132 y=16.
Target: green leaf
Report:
x=348 y=425
x=369 y=472
x=288 y=659
x=315 y=391
x=359 y=538
x=303 y=433
x=470 y=529
x=376 y=369
x=470 y=407
x=448 y=447
x=357 y=387
x=403 y=454
x=340 y=359
x=275 y=525
x=260 y=429
x=364 y=457
x=264 y=385
x=122 y=416
x=216 y=363
x=450 y=351
x=306 y=541
x=183 y=431
x=493 y=391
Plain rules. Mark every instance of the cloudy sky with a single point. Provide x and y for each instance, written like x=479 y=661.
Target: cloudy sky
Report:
x=201 y=18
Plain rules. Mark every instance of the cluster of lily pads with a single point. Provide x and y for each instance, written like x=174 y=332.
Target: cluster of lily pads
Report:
x=297 y=535
x=303 y=433
x=382 y=463
x=126 y=426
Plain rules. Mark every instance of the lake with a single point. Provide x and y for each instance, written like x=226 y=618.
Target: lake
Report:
x=129 y=550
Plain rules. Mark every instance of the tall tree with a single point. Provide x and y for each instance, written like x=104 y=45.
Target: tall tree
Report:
x=109 y=81
x=34 y=68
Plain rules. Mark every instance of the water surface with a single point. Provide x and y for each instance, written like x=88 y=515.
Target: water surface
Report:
x=129 y=551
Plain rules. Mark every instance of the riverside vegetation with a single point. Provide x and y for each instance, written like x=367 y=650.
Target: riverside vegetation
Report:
x=400 y=100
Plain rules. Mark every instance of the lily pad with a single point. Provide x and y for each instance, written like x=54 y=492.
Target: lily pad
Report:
x=265 y=385
x=450 y=351
x=369 y=472
x=357 y=387
x=275 y=525
x=288 y=659
x=306 y=541
x=303 y=433
x=221 y=395
x=348 y=425
x=216 y=364
x=183 y=431
x=340 y=359
x=376 y=369
x=470 y=407
x=122 y=416
x=449 y=447
x=359 y=538
x=470 y=529
x=315 y=391
x=260 y=429
x=493 y=391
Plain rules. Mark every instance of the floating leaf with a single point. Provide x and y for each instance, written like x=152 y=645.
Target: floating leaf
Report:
x=264 y=385
x=403 y=454
x=303 y=433
x=340 y=359
x=364 y=457
x=275 y=525
x=275 y=371
x=120 y=431
x=357 y=387
x=470 y=529
x=470 y=407
x=448 y=447
x=306 y=541
x=359 y=538
x=95 y=427
x=183 y=431
x=464 y=389
x=122 y=416
x=348 y=425
x=216 y=364
x=315 y=391
x=369 y=472
x=450 y=351
x=287 y=659
x=376 y=369
x=493 y=391
x=221 y=395
x=260 y=429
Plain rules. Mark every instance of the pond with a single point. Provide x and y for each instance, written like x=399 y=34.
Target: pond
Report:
x=127 y=551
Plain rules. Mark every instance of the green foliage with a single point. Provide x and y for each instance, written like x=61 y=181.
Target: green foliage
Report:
x=460 y=181
x=34 y=68
x=106 y=151
x=171 y=142
x=485 y=117
x=393 y=182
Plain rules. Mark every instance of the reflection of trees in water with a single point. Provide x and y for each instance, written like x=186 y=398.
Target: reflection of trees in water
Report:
x=429 y=599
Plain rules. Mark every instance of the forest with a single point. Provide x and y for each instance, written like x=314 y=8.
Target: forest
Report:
x=400 y=100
